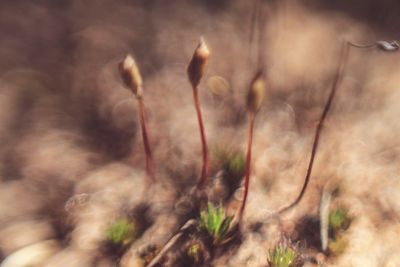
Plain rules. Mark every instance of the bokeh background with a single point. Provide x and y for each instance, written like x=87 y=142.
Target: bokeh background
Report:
x=71 y=154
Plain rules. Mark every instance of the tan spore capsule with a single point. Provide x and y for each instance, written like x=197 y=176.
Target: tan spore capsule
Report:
x=130 y=74
x=198 y=65
x=196 y=69
x=255 y=99
x=256 y=93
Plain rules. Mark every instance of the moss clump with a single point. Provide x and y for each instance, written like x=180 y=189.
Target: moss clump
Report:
x=194 y=252
x=235 y=164
x=215 y=223
x=339 y=222
x=284 y=254
x=339 y=219
x=122 y=232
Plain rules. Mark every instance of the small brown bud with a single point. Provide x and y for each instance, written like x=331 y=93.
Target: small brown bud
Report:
x=130 y=74
x=256 y=94
x=198 y=64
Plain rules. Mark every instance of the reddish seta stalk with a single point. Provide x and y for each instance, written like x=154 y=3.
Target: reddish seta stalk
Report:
x=146 y=141
x=336 y=82
x=195 y=71
x=133 y=80
x=248 y=164
x=255 y=99
x=204 y=171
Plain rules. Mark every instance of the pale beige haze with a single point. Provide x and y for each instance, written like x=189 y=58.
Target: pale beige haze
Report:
x=71 y=157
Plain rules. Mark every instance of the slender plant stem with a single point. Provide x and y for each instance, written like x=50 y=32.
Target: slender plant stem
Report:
x=363 y=46
x=183 y=233
x=204 y=171
x=335 y=84
x=248 y=164
x=146 y=141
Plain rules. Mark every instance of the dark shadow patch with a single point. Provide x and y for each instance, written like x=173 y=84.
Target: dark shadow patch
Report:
x=308 y=230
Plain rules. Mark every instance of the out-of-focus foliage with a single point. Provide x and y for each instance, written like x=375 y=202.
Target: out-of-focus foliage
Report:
x=194 y=252
x=339 y=222
x=233 y=163
x=122 y=232
x=339 y=219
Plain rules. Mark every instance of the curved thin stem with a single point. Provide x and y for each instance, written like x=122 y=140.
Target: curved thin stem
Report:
x=204 y=171
x=146 y=141
x=362 y=46
x=335 y=84
x=248 y=164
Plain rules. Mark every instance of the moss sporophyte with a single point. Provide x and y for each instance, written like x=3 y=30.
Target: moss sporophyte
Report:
x=195 y=71
x=130 y=74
